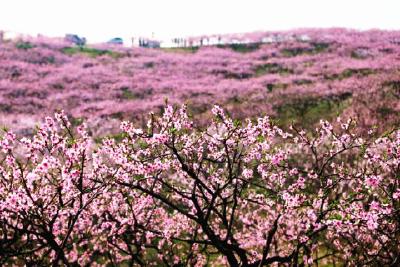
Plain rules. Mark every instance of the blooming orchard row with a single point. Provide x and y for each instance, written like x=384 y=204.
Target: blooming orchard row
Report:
x=238 y=193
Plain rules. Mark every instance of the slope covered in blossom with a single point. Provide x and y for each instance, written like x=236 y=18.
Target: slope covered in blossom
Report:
x=333 y=72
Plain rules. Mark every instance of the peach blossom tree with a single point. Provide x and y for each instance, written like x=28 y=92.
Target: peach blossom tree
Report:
x=237 y=193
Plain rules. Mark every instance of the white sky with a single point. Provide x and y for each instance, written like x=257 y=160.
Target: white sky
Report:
x=100 y=20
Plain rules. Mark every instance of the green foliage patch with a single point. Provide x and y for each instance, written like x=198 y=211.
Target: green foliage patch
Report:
x=190 y=50
x=273 y=86
x=347 y=73
x=24 y=45
x=127 y=94
x=309 y=110
x=242 y=48
x=91 y=52
x=314 y=49
x=272 y=68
